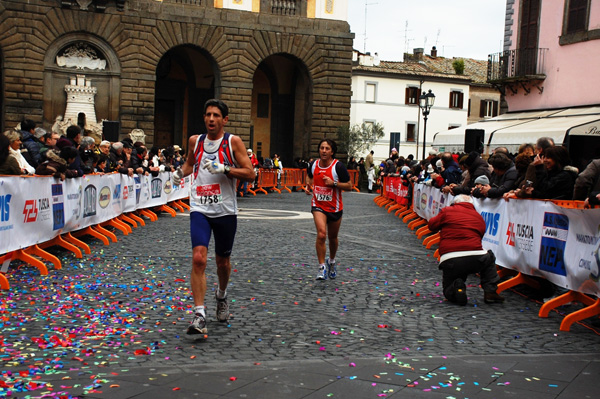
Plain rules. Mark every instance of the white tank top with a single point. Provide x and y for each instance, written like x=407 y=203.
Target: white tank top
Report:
x=213 y=195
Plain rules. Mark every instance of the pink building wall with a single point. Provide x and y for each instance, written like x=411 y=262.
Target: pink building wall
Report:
x=572 y=71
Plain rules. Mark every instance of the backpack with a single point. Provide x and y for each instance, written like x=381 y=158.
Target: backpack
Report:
x=268 y=163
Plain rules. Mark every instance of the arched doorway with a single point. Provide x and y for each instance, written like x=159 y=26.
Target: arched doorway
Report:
x=281 y=109
x=186 y=76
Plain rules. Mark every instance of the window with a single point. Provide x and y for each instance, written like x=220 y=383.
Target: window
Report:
x=412 y=96
x=576 y=23
x=371 y=92
x=456 y=99
x=488 y=108
x=395 y=140
x=577 y=15
x=410 y=131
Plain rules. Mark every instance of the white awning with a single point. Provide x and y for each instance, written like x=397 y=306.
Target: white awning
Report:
x=554 y=126
x=454 y=140
x=513 y=129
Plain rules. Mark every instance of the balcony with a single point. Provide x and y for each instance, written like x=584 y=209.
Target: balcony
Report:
x=517 y=66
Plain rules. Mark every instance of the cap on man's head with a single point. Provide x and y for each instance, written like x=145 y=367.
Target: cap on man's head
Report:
x=439 y=163
x=483 y=179
x=249 y=151
x=126 y=144
x=176 y=147
x=394 y=150
x=429 y=168
x=433 y=152
x=39 y=132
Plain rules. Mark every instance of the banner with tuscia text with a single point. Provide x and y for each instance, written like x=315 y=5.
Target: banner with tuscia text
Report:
x=537 y=238
x=36 y=209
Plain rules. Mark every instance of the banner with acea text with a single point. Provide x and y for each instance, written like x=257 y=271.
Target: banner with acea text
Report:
x=36 y=209
x=538 y=238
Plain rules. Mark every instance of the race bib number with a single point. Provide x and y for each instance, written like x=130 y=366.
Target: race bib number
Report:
x=324 y=194
x=209 y=194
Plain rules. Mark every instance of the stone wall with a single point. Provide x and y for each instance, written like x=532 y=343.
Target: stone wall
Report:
x=142 y=33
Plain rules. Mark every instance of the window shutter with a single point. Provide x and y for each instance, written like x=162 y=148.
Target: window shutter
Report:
x=495 y=108
x=460 y=100
x=482 y=108
x=407 y=96
x=451 y=98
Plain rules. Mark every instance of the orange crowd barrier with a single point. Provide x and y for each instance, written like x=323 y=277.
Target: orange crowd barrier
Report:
x=354 y=179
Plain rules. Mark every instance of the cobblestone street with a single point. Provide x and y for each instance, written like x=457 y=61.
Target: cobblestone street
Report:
x=125 y=306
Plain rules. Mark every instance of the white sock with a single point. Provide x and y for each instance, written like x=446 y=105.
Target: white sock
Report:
x=200 y=309
x=221 y=294
x=331 y=261
x=322 y=266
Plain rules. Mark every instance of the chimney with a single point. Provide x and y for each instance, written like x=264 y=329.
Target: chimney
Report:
x=418 y=52
x=433 y=52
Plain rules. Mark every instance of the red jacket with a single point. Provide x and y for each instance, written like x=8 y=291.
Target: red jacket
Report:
x=462 y=228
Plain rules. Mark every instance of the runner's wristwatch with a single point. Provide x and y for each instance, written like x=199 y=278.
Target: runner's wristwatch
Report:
x=335 y=184
x=227 y=169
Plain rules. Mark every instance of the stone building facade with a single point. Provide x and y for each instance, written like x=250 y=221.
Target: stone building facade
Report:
x=285 y=74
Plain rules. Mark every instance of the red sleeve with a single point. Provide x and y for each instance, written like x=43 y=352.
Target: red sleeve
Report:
x=435 y=223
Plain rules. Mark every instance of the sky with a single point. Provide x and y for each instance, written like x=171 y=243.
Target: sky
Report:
x=458 y=28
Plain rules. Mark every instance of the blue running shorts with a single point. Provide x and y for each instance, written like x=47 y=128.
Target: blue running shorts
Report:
x=223 y=228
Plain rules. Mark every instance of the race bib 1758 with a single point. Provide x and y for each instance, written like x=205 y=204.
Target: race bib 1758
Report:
x=209 y=194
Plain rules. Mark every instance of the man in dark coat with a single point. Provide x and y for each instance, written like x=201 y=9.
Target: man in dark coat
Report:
x=476 y=166
x=502 y=180
x=461 y=230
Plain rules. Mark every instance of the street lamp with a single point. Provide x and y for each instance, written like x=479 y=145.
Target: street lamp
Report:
x=425 y=103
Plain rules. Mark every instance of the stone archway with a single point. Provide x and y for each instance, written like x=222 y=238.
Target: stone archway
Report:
x=281 y=108
x=186 y=76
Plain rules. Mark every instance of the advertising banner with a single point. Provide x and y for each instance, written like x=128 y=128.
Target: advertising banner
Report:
x=36 y=209
x=538 y=238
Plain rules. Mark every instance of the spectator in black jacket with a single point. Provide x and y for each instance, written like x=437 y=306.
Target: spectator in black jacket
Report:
x=502 y=180
x=30 y=143
x=476 y=167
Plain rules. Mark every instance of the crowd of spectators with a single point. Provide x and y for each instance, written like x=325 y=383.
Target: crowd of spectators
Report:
x=542 y=170
x=31 y=150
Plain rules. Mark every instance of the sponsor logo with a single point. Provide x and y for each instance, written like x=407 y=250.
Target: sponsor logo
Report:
x=89 y=201
x=104 y=197
x=492 y=227
x=423 y=201
x=138 y=188
x=156 y=186
x=35 y=210
x=117 y=193
x=30 y=211
x=168 y=186
x=125 y=191
x=520 y=236
x=58 y=207
x=554 y=239
x=5 y=211
x=430 y=203
x=76 y=197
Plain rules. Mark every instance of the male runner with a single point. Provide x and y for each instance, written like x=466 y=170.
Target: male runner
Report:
x=328 y=177
x=215 y=160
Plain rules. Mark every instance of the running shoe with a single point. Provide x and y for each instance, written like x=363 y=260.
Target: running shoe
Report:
x=198 y=325
x=322 y=273
x=331 y=268
x=222 y=309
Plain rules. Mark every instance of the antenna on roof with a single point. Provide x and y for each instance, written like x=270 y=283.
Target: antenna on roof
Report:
x=437 y=38
x=406 y=39
x=365 y=39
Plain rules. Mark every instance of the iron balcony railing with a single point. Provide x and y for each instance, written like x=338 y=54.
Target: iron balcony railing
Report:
x=518 y=64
